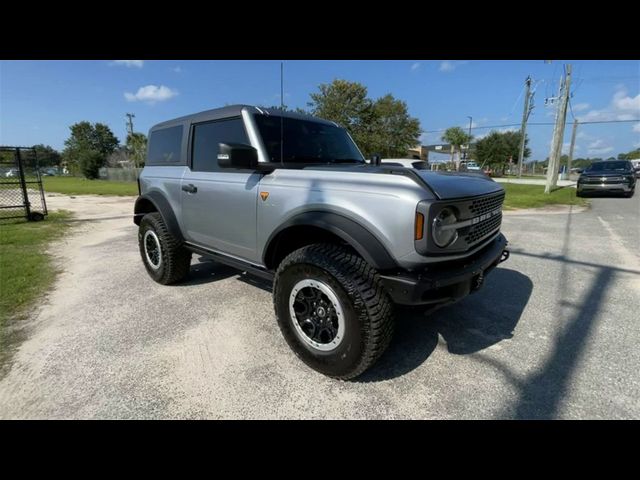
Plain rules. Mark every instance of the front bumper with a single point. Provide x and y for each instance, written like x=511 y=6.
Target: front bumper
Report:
x=447 y=282
x=604 y=187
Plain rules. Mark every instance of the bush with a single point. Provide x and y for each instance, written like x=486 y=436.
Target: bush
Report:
x=90 y=162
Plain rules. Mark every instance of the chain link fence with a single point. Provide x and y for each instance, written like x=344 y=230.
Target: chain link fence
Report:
x=21 y=192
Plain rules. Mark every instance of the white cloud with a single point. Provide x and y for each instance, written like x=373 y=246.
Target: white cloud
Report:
x=450 y=65
x=151 y=94
x=599 y=147
x=177 y=69
x=415 y=66
x=622 y=101
x=636 y=127
x=566 y=146
x=128 y=63
x=622 y=107
x=584 y=136
x=580 y=107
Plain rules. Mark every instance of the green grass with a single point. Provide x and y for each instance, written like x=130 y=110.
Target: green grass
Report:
x=26 y=271
x=82 y=186
x=533 y=196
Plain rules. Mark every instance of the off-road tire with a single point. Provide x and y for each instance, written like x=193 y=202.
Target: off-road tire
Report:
x=368 y=310
x=176 y=259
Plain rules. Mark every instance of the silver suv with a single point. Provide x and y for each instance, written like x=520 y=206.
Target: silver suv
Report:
x=290 y=198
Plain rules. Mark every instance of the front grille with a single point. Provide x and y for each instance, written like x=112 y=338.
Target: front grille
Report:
x=484 y=205
x=483 y=229
x=480 y=218
x=600 y=180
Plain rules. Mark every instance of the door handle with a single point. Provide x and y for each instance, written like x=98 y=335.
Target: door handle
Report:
x=191 y=188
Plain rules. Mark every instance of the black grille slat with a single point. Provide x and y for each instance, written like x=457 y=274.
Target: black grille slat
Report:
x=481 y=206
x=482 y=230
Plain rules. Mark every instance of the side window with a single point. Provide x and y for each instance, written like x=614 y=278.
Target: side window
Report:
x=207 y=136
x=165 y=146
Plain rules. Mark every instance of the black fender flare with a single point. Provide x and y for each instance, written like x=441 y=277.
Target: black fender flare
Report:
x=163 y=206
x=357 y=236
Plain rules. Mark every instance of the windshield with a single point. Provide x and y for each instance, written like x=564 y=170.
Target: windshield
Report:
x=306 y=141
x=600 y=166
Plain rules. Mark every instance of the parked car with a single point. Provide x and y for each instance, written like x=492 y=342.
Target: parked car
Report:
x=50 y=172
x=341 y=239
x=636 y=166
x=12 y=172
x=471 y=166
x=616 y=176
x=406 y=162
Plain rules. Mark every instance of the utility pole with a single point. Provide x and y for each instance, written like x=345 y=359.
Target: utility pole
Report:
x=573 y=143
x=523 y=128
x=466 y=152
x=130 y=116
x=558 y=132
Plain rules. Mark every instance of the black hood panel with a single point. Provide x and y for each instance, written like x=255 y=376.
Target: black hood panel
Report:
x=450 y=185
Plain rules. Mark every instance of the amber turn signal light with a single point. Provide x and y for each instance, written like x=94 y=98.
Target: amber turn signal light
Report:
x=419 y=226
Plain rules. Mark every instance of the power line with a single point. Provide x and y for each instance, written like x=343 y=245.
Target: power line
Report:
x=538 y=123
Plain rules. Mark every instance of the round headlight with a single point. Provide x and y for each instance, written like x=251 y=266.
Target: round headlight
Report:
x=442 y=236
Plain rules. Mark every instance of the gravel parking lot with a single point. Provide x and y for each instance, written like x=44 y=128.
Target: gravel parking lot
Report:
x=552 y=334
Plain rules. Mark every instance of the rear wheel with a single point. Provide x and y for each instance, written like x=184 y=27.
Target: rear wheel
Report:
x=163 y=255
x=332 y=310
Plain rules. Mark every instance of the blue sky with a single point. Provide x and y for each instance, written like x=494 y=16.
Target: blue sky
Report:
x=39 y=100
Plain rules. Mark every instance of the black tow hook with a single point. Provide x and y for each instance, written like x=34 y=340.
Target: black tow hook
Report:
x=505 y=255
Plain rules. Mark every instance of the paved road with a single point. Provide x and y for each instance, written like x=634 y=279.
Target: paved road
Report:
x=554 y=334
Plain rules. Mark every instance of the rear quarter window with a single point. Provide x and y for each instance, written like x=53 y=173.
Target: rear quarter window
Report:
x=165 y=146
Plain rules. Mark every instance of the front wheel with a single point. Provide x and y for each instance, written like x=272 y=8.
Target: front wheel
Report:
x=163 y=255
x=332 y=310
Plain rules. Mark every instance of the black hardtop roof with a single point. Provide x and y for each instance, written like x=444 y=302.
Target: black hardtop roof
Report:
x=235 y=111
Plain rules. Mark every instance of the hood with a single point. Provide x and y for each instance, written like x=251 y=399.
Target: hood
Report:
x=450 y=185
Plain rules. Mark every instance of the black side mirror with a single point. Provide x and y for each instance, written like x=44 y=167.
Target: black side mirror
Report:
x=376 y=159
x=237 y=155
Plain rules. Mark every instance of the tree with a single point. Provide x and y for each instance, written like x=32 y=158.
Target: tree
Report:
x=377 y=126
x=497 y=148
x=90 y=162
x=393 y=130
x=345 y=103
x=137 y=148
x=120 y=156
x=47 y=156
x=85 y=138
x=456 y=137
x=632 y=155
